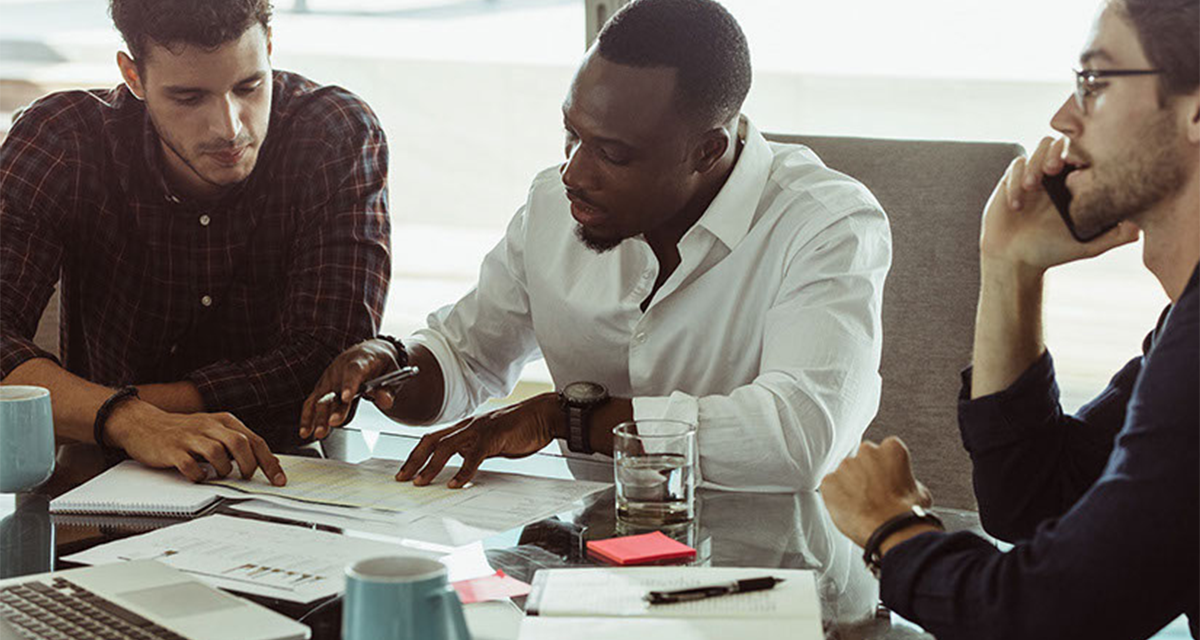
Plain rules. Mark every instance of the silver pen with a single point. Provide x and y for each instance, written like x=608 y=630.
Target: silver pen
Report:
x=371 y=386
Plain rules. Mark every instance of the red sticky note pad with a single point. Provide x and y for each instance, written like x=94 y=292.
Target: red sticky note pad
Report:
x=640 y=549
x=494 y=587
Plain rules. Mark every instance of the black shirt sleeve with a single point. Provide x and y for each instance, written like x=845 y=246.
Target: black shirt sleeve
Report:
x=1031 y=461
x=1121 y=561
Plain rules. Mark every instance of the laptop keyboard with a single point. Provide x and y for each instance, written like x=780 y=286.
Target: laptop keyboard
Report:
x=65 y=611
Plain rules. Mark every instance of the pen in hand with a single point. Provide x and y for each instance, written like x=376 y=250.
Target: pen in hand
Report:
x=371 y=386
x=700 y=593
x=392 y=379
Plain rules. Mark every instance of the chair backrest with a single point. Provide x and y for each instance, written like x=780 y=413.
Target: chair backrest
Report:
x=934 y=194
x=48 y=328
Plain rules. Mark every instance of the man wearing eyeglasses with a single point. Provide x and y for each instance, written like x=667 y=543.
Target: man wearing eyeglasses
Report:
x=1103 y=507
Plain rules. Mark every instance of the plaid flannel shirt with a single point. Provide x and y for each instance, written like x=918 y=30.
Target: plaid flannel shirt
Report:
x=249 y=297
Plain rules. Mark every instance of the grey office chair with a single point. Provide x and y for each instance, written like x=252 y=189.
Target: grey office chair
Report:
x=934 y=194
x=47 y=330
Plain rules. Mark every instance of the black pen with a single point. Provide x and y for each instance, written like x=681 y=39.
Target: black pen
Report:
x=700 y=593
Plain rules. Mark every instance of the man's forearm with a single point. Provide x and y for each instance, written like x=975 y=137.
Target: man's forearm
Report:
x=174 y=397
x=75 y=400
x=1008 y=326
x=421 y=397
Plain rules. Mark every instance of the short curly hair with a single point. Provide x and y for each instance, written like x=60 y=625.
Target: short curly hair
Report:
x=698 y=38
x=203 y=23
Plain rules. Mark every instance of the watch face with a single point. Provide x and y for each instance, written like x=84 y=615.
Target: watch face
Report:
x=584 y=392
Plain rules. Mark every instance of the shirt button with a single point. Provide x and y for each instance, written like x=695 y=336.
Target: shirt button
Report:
x=206 y=301
x=171 y=198
x=204 y=220
x=174 y=348
x=640 y=338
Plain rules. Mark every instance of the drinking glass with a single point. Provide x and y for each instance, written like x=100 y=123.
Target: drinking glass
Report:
x=655 y=463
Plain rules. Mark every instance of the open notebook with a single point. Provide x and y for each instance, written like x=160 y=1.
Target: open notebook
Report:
x=130 y=489
x=609 y=603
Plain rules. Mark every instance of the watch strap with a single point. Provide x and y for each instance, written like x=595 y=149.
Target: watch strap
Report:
x=578 y=426
x=917 y=515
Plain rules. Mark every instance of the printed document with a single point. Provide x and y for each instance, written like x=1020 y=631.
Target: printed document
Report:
x=288 y=562
x=492 y=502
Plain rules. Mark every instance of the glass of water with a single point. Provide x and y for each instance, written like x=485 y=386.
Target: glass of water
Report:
x=655 y=462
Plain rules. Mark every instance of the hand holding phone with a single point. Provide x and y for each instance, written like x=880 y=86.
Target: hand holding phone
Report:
x=1056 y=188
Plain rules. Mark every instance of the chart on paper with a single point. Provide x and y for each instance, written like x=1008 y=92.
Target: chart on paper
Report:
x=269 y=559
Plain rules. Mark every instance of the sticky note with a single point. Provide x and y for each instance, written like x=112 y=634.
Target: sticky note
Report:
x=494 y=587
x=640 y=549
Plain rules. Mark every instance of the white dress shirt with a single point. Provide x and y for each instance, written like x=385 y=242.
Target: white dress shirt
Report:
x=767 y=335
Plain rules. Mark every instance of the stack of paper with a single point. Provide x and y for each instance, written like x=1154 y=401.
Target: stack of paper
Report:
x=363 y=497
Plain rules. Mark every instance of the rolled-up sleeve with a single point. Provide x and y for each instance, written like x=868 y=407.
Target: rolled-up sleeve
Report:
x=818 y=384
x=483 y=341
x=337 y=282
x=1030 y=460
x=1121 y=560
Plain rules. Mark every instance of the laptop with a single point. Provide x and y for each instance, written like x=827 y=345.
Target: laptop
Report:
x=137 y=600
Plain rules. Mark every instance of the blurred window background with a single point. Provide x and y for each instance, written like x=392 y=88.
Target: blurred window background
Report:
x=469 y=92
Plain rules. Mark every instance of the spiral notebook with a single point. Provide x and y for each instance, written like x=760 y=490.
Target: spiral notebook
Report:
x=130 y=489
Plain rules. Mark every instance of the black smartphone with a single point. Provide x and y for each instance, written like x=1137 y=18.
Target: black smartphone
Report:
x=1056 y=188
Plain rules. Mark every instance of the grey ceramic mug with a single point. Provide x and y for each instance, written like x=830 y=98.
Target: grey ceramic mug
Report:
x=26 y=438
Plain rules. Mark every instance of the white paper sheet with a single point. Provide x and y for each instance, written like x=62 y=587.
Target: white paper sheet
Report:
x=448 y=532
x=588 y=603
x=496 y=502
x=348 y=485
x=542 y=628
x=621 y=592
x=280 y=561
x=493 y=503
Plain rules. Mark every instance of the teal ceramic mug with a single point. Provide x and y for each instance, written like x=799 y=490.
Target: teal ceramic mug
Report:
x=26 y=438
x=401 y=598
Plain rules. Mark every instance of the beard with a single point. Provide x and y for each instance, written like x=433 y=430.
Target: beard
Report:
x=191 y=159
x=1149 y=171
x=596 y=243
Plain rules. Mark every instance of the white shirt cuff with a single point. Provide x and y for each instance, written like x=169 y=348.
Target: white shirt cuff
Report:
x=677 y=406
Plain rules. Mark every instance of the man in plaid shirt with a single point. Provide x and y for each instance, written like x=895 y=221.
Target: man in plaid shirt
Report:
x=219 y=232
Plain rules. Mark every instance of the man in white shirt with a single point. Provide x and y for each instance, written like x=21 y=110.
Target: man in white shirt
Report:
x=678 y=260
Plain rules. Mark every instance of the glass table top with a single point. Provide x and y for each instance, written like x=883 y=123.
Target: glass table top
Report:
x=790 y=531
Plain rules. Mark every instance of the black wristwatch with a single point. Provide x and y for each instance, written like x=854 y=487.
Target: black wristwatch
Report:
x=917 y=515
x=578 y=400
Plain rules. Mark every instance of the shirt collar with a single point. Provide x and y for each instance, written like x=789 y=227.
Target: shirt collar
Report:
x=730 y=214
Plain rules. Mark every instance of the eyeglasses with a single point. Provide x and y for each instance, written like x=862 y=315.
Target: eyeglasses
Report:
x=1089 y=82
